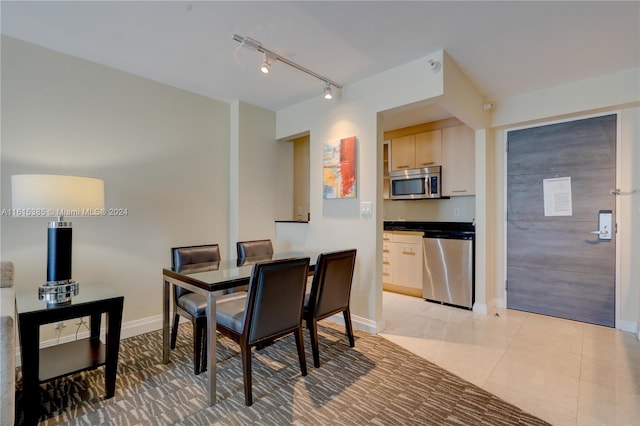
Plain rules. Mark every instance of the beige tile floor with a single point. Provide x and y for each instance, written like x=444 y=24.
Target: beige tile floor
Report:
x=565 y=372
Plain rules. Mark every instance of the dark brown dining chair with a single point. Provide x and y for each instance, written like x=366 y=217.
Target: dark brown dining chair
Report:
x=272 y=309
x=255 y=248
x=193 y=306
x=330 y=294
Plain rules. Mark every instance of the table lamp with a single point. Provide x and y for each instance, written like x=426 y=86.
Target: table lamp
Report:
x=57 y=196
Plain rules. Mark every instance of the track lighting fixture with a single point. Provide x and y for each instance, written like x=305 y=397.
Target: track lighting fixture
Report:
x=328 y=94
x=266 y=65
x=270 y=57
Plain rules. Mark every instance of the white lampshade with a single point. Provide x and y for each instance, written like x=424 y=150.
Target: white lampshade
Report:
x=55 y=195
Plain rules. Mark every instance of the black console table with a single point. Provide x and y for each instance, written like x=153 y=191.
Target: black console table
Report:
x=42 y=365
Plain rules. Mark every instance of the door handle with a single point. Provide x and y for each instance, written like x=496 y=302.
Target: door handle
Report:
x=605 y=225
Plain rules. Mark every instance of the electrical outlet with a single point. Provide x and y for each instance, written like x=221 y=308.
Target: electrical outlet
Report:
x=456 y=212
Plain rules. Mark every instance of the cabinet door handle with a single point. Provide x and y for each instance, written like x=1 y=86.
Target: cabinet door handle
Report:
x=409 y=252
x=405 y=166
x=459 y=190
x=428 y=164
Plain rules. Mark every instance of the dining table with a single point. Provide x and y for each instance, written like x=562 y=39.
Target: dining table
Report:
x=207 y=280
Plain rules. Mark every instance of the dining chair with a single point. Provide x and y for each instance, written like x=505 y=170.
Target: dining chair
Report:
x=273 y=309
x=330 y=294
x=193 y=306
x=254 y=248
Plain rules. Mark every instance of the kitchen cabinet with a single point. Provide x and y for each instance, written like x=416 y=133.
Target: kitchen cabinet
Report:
x=402 y=262
x=386 y=188
x=429 y=148
x=458 y=161
x=403 y=153
x=386 y=259
x=414 y=151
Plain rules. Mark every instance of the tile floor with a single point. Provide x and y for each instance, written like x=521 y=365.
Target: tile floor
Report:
x=565 y=372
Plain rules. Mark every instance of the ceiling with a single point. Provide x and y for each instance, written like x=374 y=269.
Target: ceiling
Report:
x=505 y=48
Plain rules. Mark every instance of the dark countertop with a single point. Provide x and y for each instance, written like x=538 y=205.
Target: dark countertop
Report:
x=432 y=228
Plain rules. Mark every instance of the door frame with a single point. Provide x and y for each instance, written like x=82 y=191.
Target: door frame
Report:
x=618 y=114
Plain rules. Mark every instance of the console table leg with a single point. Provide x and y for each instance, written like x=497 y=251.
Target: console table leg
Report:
x=114 y=322
x=30 y=351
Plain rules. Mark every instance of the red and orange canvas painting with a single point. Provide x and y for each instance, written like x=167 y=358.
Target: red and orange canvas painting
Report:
x=339 y=177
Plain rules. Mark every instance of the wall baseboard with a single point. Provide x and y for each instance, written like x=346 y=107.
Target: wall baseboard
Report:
x=500 y=303
x=629 y=326
x=147 y=325
x=129 y=329
x=480 y=308
x=360 y=323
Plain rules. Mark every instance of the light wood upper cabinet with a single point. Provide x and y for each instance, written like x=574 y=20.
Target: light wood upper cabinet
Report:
x=429 y=149
x=414 y=151
x=403 y=153
x=385 y=170
x=458 y=161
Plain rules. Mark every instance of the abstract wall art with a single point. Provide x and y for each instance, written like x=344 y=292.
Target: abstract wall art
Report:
x=339 y=174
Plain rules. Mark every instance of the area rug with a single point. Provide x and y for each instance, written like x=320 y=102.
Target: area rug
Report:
x=377 y=382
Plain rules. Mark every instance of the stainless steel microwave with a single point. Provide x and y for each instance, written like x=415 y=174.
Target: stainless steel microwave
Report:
x=415 y=184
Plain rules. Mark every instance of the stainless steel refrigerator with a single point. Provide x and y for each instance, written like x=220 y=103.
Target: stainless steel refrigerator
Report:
x=448 y=268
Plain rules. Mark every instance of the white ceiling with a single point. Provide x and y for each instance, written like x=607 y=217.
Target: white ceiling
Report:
x=505 y=48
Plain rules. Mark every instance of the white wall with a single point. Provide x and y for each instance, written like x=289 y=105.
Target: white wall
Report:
x=162 y=152
x=262 y=175
x=338 y=224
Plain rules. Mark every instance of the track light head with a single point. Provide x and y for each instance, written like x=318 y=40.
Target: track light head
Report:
x=328 y=94
x=266 y=65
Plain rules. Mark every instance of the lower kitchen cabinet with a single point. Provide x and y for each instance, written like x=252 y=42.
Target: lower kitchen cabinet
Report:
x=402 y=262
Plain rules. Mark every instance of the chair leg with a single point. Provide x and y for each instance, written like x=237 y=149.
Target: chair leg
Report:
x=301 y=355
x=347 y=324
x=203 y=351
x=312 y=325
x=174 y=331
x=245 y=349
x=197 y=348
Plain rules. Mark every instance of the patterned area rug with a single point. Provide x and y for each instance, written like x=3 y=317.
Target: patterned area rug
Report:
x=377 y=382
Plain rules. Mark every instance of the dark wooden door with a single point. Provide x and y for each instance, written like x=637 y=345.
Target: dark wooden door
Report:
x=555 y=265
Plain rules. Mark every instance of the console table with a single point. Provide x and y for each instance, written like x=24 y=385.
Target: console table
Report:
x=42 y=365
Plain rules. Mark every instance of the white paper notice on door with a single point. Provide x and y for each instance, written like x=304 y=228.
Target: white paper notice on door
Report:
x=557 y=196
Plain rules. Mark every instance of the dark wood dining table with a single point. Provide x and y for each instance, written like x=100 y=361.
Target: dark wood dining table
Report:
x=221 y=275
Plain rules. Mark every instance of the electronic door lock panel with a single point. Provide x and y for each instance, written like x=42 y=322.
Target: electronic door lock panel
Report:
x=605 y=225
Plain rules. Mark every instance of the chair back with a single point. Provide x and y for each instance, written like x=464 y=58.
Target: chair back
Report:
x=331 y=286
x=275 y=300
x=255 y=248
x=194 y=259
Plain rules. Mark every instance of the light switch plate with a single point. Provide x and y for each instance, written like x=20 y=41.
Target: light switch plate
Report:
x=366 y=208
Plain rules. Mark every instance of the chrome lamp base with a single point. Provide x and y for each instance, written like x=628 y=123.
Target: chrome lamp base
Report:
x=57 y=293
